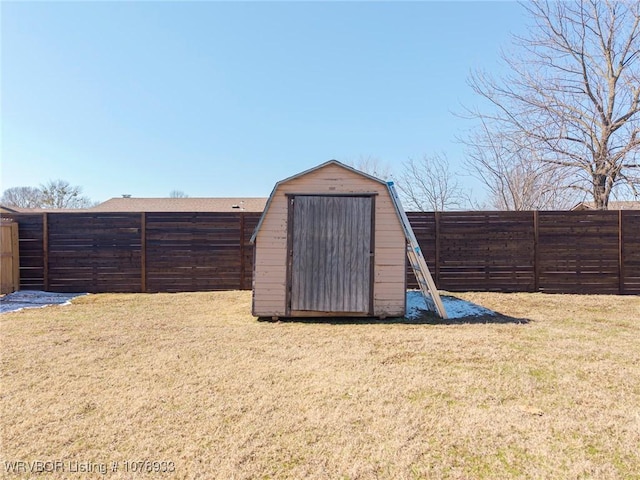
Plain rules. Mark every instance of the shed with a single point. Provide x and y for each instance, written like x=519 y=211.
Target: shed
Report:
x=329 y=243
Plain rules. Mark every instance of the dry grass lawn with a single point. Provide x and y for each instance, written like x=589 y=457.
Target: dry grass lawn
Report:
x=195 y=379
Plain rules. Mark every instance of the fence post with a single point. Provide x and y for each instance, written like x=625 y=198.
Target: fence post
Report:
x=437 y=235
x=242 y=262
x=620 y=255
x=143 y=252
x=45 y=251
x=536 y=253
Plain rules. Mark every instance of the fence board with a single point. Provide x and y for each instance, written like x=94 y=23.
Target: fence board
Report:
x=630 y=248
x=491 y=251
x=578 y=252
x=195 y=251
x=94 y=252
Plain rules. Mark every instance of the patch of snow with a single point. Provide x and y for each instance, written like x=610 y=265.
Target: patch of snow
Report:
x=455 y=307
x=34 y=299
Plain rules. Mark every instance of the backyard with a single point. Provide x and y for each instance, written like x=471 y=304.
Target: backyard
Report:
x=548 y=389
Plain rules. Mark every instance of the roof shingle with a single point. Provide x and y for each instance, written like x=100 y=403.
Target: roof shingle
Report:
x=134 y=204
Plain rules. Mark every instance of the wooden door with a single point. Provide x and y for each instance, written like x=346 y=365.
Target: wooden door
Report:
x=331 y=253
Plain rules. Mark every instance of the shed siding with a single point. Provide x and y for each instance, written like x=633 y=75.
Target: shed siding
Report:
x=271 y=242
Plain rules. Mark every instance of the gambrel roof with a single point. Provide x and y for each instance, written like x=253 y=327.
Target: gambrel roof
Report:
x=301 y=174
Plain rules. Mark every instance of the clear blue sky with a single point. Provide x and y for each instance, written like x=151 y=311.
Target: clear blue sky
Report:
x=227 y=98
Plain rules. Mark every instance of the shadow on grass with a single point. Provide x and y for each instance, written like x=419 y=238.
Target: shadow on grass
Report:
x=426 y=318
x=431 y=319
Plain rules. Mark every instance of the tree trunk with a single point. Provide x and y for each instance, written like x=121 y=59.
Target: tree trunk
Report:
x=600 y=194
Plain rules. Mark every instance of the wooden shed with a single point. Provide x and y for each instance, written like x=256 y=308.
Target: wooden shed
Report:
x=329 y=243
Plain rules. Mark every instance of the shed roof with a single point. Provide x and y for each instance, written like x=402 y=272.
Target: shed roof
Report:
x=135 y=204
x=301 y=174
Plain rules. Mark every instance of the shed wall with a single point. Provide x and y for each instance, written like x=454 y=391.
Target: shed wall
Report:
x=270 y=271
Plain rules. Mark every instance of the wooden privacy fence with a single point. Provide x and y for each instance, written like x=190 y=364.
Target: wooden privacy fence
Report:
x=136 y=252
x=9 y=257
x=557 y=252
x=554 y=252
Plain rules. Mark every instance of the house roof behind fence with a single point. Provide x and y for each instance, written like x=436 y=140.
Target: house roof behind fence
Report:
x=23 y=210
x=135 y=204
x=613 y=205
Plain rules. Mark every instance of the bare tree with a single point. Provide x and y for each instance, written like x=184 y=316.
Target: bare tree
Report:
x=573 y=93
x=515 y=177
x=429 y=185
x=23 y=197
x=178 y=194
x=60 y=194
x=372 y=166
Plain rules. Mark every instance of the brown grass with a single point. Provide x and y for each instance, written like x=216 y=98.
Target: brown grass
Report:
x=194 y=379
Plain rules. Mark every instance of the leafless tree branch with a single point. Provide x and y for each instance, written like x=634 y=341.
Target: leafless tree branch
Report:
x=428 y=184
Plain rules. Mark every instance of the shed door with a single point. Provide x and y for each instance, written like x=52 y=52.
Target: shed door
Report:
x=331 y=253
